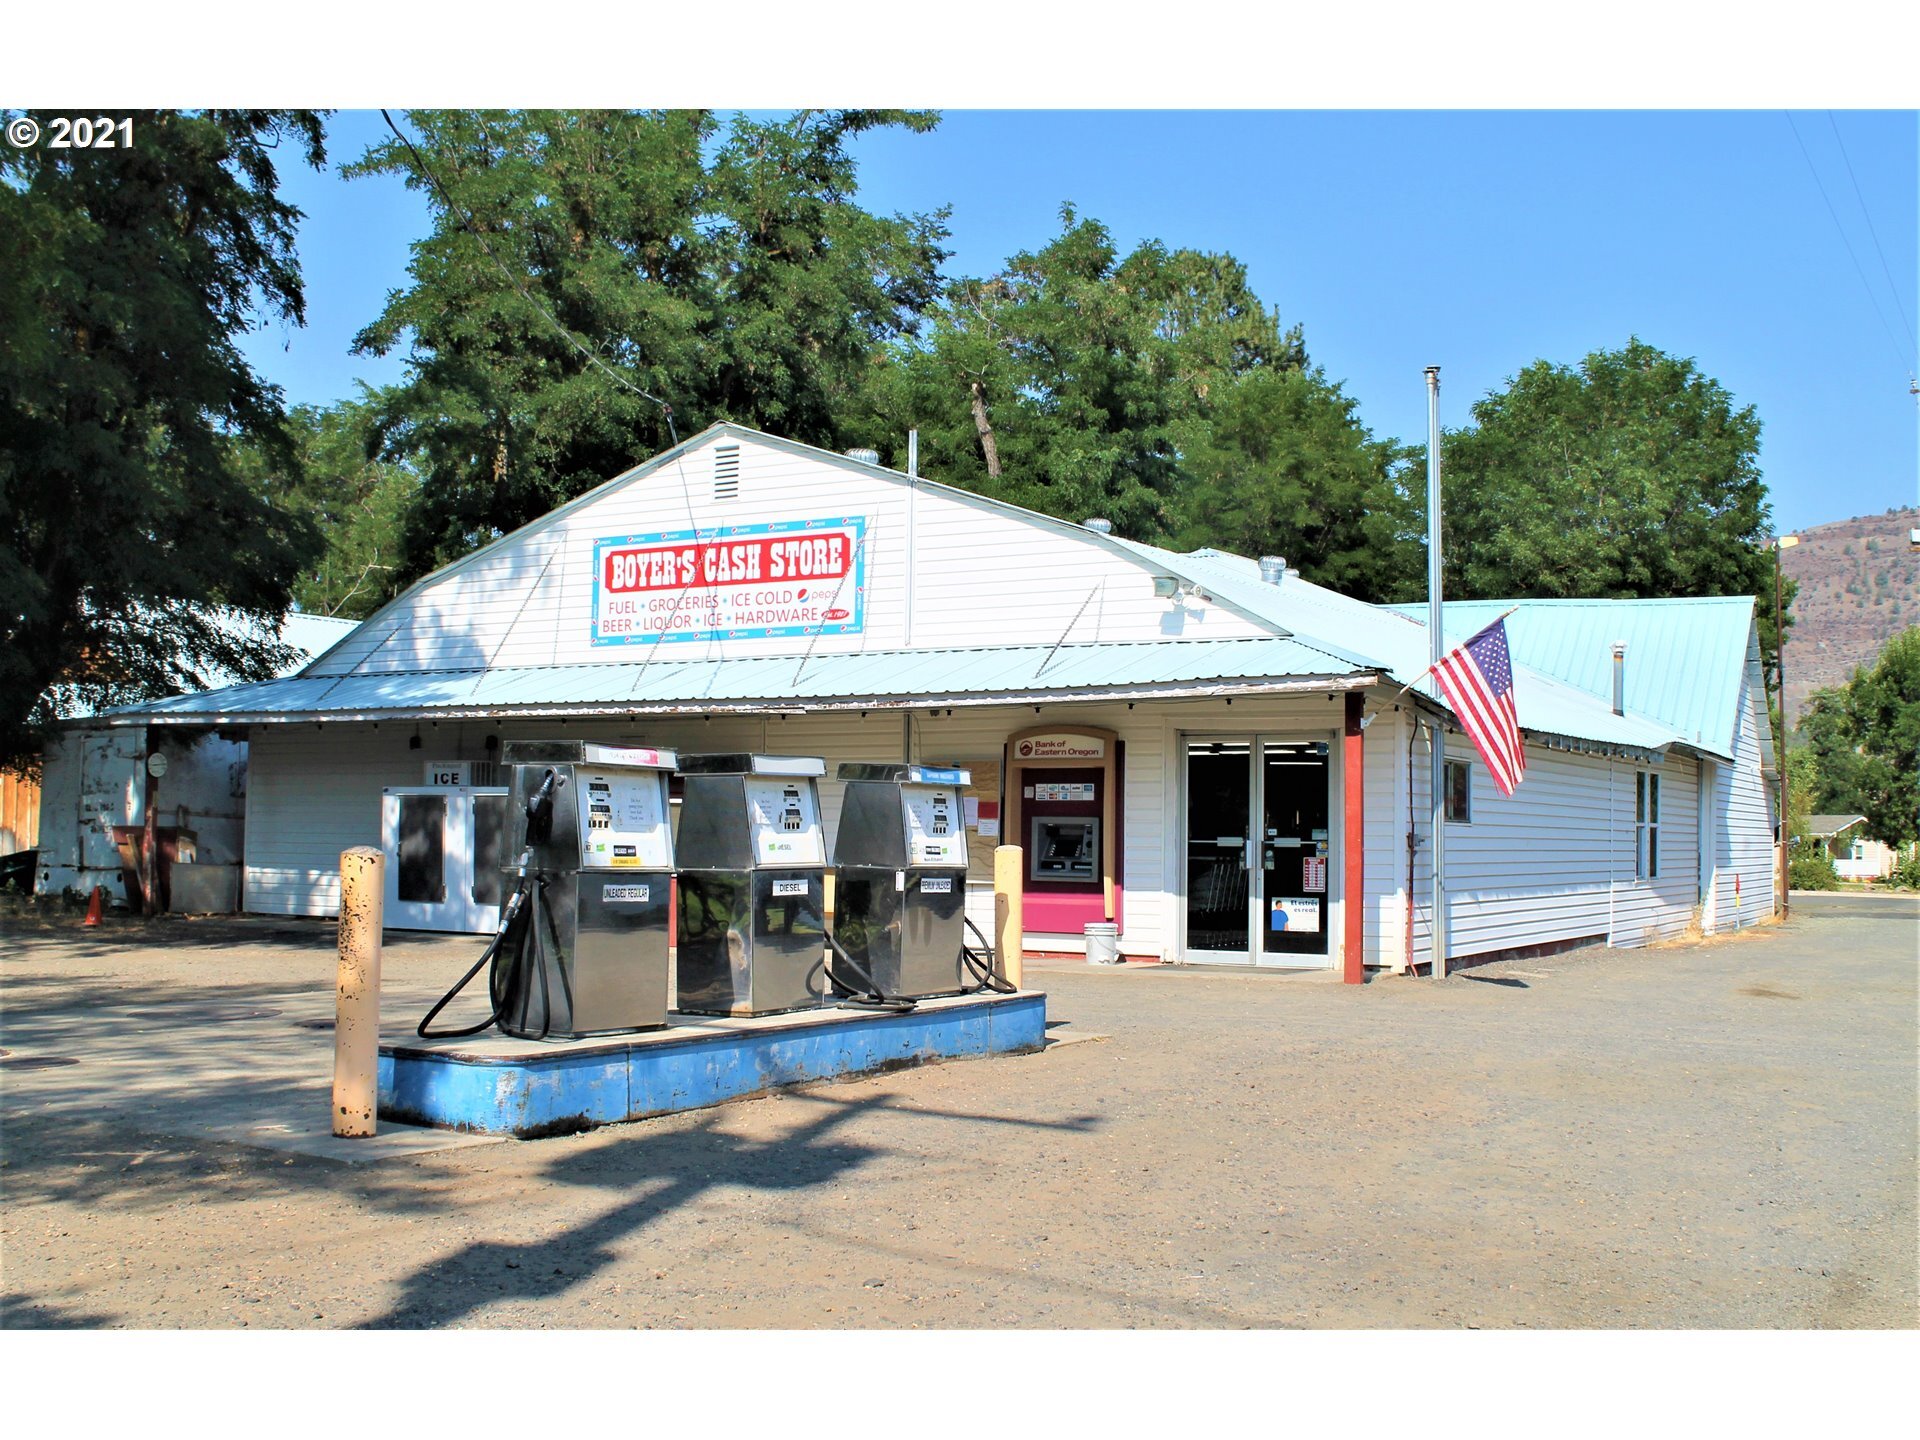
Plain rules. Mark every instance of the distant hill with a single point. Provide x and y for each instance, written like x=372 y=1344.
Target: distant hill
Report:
x=1859 y=587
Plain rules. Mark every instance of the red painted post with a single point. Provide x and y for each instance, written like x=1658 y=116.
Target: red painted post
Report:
x=1353 y=887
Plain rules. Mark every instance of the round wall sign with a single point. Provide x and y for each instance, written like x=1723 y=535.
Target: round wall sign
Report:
x=156 y=764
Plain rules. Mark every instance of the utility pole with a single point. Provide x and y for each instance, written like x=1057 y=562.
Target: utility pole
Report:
x=1436 y=644
x=1782 y=542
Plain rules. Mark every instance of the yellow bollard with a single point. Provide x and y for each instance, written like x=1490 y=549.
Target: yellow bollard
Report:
x=1009 y=923
x=356 y=1014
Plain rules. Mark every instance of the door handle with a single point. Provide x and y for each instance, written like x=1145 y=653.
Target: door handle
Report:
x=1251 y=845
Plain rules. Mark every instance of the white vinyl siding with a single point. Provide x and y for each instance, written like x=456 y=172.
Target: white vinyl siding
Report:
x=1554 y=862
x=1743 y=838
x=983 y=575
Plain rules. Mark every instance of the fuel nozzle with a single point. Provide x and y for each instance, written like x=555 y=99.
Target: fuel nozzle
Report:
x=540 y=809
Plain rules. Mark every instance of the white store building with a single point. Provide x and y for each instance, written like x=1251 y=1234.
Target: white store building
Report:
x=1222 y=763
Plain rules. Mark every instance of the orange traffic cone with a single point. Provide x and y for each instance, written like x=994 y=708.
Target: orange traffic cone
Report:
x=94 y=907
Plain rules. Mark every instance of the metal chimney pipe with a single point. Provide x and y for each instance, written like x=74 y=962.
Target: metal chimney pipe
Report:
x=1619 y=677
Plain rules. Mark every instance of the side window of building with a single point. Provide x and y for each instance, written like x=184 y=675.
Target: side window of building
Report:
x=1459 y=792
x=1646 y=826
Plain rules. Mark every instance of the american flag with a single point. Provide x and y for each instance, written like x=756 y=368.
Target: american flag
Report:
x=1478 y=680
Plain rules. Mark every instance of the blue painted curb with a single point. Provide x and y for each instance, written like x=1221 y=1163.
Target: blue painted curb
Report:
x=527 y=1089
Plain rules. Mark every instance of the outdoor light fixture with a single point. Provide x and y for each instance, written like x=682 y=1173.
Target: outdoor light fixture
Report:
x=1166 y=587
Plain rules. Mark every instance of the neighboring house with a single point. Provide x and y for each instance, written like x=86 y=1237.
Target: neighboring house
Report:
x=1855 y=856
x=92 y=785
x=1224 y=759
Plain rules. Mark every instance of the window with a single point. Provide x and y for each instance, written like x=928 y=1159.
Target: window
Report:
x=1646 y=826
x=1459 y=792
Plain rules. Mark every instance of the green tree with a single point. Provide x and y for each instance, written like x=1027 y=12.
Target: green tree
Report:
x=126 y=278
x=1283 y=466
x=1073 y=380
x=359 y=505
x=1865 y=740
x=731 y=274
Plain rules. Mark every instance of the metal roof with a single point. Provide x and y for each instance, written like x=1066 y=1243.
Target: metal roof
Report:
x=1685 y=656
x=1386 y=639
x=973 y=676
x=1825 y=827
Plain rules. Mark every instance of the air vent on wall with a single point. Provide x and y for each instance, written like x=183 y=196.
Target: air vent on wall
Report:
x=726 y=472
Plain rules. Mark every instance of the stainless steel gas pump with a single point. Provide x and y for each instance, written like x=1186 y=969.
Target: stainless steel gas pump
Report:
x=753 y=858
x=900 y=881
x=582 y=947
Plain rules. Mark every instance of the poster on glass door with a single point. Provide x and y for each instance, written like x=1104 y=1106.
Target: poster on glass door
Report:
x=1295 y=917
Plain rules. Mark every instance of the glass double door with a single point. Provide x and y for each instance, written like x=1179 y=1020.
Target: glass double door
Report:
x=444 y=856
x=1258 y=852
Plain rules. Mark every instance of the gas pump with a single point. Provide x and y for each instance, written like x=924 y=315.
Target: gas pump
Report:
x=582 y=945
x=753 y=858
x=900 y=876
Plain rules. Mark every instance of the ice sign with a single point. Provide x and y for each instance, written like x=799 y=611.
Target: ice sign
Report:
x=623 y=820
x=936 y=833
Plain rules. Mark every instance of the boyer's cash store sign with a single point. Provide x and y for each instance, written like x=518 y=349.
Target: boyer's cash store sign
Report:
x=792 y=577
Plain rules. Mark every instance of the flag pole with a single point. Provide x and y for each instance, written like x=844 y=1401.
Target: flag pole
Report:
x=1436 y=642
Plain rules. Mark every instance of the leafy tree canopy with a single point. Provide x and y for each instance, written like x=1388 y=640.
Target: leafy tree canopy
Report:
x=732 y=274
x=126 y=278
x=1070 y=381
x=1865 y=740
x=360 y=505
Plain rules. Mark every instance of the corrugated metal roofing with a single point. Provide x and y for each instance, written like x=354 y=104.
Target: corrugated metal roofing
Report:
x=975 y=676
x=1685 y=656
x=1384 y=638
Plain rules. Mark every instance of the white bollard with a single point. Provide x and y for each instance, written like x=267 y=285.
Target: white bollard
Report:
x=356 y=1013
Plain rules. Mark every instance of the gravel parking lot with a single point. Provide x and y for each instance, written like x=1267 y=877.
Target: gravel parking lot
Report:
x=1717 y=1135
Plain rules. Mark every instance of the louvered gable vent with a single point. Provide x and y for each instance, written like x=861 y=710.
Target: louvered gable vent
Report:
x=726 y=472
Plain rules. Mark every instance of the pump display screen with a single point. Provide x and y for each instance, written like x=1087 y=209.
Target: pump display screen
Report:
x=786 y=822
x=623 y=819
x=1064 y=849
x=936 y=830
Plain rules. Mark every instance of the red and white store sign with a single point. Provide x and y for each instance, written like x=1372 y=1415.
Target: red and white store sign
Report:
x=1060 y=747
x=792 y=578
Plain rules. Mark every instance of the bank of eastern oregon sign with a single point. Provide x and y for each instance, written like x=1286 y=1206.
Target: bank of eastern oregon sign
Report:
x=739 y=582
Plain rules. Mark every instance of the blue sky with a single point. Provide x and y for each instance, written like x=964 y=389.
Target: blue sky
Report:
x=1478 y=241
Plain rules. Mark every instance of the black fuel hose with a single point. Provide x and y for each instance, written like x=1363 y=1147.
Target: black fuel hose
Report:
x=983 y=969
x=875 y=998
x=520 y=933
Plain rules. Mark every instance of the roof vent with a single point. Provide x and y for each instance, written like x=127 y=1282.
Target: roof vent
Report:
x=1273 y=569
x=726 y=472
x=1619 y=677
x=1099 y=526
x=864 y=455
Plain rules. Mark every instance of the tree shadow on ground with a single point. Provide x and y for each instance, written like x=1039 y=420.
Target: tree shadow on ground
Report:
x=664 y=1172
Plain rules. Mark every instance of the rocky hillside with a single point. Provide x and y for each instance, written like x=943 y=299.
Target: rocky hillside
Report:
x=1859 y=587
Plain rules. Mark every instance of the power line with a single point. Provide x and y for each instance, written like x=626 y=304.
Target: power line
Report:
x=1899 y=306
x=467 y=224
x=1872 y=299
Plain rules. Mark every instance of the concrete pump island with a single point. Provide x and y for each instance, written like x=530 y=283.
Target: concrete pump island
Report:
x=604 y=1018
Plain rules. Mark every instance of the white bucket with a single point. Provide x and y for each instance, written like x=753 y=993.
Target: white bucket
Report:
x=1103 y=944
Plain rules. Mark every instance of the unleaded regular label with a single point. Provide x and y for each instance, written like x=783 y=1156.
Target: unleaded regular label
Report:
x=789 y=887
x=626 y=892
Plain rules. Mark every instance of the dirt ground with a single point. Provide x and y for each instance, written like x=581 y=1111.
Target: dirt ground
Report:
x=1719 y=1135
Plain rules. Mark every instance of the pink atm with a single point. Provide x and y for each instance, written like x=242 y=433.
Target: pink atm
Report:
x=1063 y=809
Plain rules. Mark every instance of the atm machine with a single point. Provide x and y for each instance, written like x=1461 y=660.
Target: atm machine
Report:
x=582 y=945
x=753 y=857
x=900 y=879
